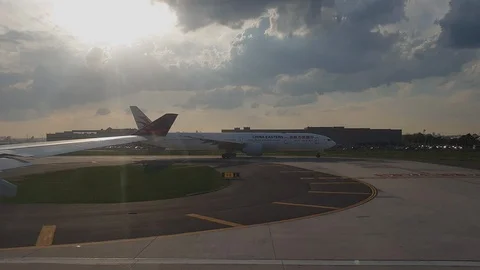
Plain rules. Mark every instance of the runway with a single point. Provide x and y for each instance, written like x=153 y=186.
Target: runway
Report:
x=265 y=193
x=424 y=217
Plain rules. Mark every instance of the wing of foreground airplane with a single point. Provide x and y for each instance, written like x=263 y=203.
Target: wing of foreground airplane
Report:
x=14 y=155
x=18 y=155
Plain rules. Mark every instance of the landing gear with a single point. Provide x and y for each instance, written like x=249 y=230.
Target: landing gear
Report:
x=318 y=155
x=229 y=155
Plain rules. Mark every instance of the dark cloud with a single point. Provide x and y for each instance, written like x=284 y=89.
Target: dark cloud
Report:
x=102 y=112
x=193 y=15
x=348 y=55
x=460 y=25
x=221 y=98
x=291 y=101
x=369 y=13
x=346 y=47
x=61 y=78
x=17 y=36
x=10 y=78
x=298 y=50
x=53 y=88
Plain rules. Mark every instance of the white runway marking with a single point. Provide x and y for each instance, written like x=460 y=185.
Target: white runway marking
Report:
x=160 y=261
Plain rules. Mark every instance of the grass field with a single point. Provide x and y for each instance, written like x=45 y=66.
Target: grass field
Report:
x=466 y=159
x=114 y=184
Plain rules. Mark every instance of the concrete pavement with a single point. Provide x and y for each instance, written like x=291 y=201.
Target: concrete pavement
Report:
x=423 y=223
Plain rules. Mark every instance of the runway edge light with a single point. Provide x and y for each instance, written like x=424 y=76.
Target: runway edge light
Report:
x=7 y=189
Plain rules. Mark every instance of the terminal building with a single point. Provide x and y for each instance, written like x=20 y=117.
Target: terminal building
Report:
x=346 y=137
x=83 y=134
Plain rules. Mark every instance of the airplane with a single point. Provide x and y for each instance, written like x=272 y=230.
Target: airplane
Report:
x=21 y=154
x=249 y=143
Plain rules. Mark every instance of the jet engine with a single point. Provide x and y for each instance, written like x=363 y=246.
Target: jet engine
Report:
x=253 y=149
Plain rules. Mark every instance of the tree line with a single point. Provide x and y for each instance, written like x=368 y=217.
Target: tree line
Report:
x=467 y=140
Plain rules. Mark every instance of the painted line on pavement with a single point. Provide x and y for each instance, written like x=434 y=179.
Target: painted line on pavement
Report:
x=215 y=220
x=307 y=205
x=45 y=238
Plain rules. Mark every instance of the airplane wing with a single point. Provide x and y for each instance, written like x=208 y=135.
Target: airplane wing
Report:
x=15 y=155
x=19 y=155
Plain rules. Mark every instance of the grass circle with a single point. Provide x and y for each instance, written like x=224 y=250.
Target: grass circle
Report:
x=116 y=184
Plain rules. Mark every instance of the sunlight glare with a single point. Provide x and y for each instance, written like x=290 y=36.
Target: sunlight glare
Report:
x=113 y=22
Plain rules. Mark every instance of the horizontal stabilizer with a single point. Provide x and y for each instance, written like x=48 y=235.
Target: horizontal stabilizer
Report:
x=159 y=127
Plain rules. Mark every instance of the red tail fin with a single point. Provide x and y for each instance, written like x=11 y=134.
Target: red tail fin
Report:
x=159 y=127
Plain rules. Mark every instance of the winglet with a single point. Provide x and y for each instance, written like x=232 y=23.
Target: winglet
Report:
x=140 y=118
x=159 y=127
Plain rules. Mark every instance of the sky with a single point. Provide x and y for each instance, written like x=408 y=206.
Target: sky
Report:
x=79 y=64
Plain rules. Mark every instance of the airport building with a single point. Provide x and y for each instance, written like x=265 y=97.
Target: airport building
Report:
x=343 y=136
x=83 y=134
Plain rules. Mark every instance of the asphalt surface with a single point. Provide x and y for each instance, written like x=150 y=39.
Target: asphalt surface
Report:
x=265 y=193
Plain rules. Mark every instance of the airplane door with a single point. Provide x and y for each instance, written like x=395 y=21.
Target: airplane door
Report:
x=317 y=141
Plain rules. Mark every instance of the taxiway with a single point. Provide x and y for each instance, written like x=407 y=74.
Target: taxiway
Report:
x=265 y=193
x=424 y=217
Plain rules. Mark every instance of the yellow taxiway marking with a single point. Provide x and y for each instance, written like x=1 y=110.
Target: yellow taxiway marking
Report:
x=45 y=238
x=334 y=183
x=307 y=205
x=216 y=220
x=338 y=192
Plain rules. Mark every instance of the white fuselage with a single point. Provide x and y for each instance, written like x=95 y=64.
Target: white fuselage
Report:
x=269 y=141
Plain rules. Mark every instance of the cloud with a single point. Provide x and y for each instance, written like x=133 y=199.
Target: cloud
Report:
x=102 y=112
x=287 y=112
x=272 y=55
x=297 y=100
x=193 y=15
x=221 y=98
x=343 y=47
x=460 y=25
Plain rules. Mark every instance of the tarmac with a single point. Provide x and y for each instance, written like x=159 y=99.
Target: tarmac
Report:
x=423 y=217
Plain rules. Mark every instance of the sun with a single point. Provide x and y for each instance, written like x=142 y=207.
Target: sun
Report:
x=113 y=22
